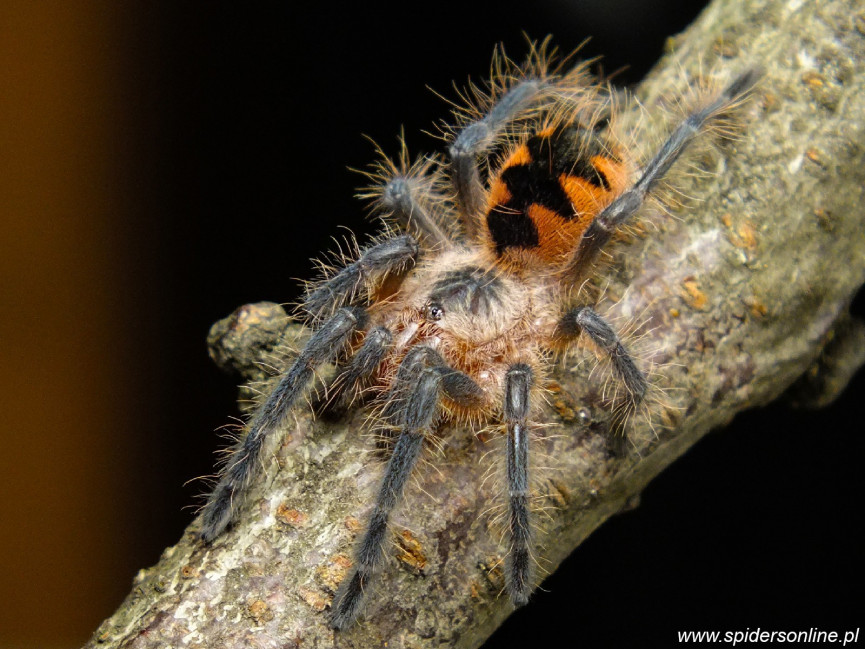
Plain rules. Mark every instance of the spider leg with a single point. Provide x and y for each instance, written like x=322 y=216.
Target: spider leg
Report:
x=588 y=321
x=629 y=202
x=419 y=410
x=245 y=458
x=518 y=383
x=407 y=375
x=374 y=263
x=478 y=138
x=403 y=196
x=361 y=366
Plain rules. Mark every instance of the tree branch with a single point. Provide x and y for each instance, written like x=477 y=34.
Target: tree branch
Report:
x=737 y=298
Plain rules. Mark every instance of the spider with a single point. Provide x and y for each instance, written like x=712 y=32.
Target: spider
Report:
x=456 y=312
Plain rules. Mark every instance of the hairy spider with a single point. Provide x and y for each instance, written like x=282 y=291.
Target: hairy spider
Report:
x=455 y=314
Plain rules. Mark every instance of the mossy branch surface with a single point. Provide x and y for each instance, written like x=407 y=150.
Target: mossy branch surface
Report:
x=736 y=296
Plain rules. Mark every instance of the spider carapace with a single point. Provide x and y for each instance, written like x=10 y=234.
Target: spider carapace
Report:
x=456 y=313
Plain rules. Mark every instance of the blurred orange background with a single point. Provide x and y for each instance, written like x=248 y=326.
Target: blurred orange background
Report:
x=67 y=444
x=96 y=349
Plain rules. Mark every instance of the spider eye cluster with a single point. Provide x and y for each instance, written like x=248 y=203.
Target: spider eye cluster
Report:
x=466 y=289
x=434 y=311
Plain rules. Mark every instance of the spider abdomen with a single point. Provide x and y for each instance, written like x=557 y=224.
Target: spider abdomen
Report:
x=548 y=191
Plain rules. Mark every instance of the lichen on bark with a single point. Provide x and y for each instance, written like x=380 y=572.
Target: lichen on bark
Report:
x=737 y=296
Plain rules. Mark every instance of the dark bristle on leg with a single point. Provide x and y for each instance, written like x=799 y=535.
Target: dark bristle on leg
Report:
x=518 y=565
x=600 y=231
x=417 y=415
x=246 y=456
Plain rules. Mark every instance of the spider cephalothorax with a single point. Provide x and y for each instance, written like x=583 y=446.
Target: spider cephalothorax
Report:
x=457 y=318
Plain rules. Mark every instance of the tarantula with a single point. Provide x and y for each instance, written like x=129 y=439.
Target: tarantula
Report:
x=457 y=318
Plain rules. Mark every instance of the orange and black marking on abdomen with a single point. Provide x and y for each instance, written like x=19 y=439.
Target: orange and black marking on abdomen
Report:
x=549 y=190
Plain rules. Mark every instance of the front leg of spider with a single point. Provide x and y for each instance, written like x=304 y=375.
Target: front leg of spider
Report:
x=245 y=459
x=246 y=456
x=389 y=256
x=432 y=379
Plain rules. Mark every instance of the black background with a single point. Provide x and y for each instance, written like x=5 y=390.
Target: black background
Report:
x=246 y=121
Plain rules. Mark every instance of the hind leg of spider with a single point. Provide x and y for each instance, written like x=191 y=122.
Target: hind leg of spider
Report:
x=478 y=138
x=434 y=379
x=588 y=321
x=629 y=202
x=246 y=456
x=379 y=260
x=518 y=384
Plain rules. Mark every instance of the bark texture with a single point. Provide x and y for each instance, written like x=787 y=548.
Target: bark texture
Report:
x=734 y=299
